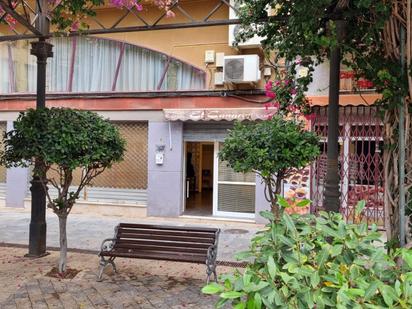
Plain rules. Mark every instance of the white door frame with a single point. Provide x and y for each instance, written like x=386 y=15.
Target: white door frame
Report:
x=216 y=183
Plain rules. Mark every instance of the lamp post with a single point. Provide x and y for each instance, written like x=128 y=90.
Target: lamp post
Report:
x=332 y=192
x=42 y=50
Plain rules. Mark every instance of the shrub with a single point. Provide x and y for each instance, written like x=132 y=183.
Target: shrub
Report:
x=59 y=140
x=275 y=149
x=318 y=262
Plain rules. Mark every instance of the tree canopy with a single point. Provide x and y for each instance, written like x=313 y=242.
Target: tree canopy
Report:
x=57 y=141
x=298 y=30
x=274 y=149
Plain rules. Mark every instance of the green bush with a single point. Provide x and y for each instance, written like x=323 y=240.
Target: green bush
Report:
x=55 y=142
x=318 y=262
x=274 y=149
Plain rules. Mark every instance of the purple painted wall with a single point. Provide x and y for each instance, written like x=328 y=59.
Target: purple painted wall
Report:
x=17 y=182
x=165 y=182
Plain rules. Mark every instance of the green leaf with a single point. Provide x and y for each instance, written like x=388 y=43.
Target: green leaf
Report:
x=388 y=294
x=314 y=279
x=355 y=292
x=323 y=255
x=243 y=255
x=359 y=207
x=222 y=302
x=303 y=203
x=258 y=301
x=231 y=294
x=336 y=250
x=285 y=240
x=271 y=267
x=267 y=215
x=246 y=278
x=407 y=257
x=371 y=290
x=398 y=288
x=289 y=223
x=257 y=287
x=240 y=306
x=212 y=288
x=282 y=201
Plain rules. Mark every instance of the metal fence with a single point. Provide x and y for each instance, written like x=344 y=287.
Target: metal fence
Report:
x=360 y=162
x=3 y=170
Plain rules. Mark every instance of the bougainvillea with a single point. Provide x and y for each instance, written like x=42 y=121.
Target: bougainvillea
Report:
x=288 y=89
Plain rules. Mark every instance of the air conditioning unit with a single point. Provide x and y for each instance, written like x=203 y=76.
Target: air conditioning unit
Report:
x=253 y=42
x=241 y=69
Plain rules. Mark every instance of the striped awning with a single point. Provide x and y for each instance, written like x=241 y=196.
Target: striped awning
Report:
x=216 y=114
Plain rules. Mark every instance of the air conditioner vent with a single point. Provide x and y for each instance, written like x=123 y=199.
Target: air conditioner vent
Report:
x=241 y=69
x=234 y=70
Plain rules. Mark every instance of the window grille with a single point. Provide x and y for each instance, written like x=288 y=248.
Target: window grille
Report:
x=131 y=173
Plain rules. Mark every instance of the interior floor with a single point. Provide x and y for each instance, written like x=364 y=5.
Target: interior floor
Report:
x=200 y=203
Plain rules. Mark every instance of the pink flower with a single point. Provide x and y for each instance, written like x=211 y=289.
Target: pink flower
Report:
x=287 y=82
x=139 y=7
x=75 y=26
x=269 y=85
x=293 y=91
x=270 y=94
x=310 y=117
x=170 y=14
x=277 y=83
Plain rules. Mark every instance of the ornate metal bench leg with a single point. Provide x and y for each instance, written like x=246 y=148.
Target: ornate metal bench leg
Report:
x=102 y=265
x=211 y=264
x=111 y=262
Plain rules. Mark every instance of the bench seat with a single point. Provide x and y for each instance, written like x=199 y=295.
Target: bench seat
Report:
x=159 y=242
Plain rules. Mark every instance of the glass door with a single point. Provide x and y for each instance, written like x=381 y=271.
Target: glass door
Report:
x=234 y=193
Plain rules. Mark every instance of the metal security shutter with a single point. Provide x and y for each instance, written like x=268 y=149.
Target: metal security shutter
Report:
x=236 y=191
x=206 y=131
x=107 y=195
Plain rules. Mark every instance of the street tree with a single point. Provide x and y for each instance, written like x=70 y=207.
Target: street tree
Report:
x=61 y=141
x=274 y=149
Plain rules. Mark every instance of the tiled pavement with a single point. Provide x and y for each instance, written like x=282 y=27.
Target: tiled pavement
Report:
x=88 y=231
x=151 y=291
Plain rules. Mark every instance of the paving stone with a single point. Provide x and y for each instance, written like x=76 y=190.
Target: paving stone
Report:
x=59 y=286
x=68 y=300
x=9 y=306
x=23 y=303
x=46 y=286
x=145 y=292
x=41 y=304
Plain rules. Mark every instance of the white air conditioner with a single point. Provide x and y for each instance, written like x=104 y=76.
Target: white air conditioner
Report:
x=241 y=69
x=253 y=42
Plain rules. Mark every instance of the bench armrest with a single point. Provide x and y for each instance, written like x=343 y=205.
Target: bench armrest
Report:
x=107 y=244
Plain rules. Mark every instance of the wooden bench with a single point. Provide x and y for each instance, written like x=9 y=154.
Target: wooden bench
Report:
x=158 y=242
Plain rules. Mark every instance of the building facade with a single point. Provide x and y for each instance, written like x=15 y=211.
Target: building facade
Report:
x=164 y=91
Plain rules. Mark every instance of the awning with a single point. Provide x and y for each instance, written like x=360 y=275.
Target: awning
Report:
x=229 y=114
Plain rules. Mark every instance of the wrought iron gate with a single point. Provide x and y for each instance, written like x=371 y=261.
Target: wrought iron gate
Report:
x=360 y=162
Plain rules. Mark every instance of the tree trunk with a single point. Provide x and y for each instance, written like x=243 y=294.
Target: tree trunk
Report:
x=63 y=243
x=273 y=192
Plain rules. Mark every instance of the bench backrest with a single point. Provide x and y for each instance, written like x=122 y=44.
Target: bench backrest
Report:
x=165 y=240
